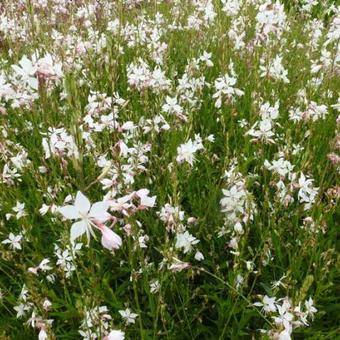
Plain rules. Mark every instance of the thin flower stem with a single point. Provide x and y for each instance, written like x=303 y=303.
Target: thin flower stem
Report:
x=234 y=290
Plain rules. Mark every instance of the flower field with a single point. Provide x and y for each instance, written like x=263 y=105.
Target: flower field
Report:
x=169 y=169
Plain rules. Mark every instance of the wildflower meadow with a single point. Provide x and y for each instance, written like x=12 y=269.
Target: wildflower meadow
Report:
x=169 y=169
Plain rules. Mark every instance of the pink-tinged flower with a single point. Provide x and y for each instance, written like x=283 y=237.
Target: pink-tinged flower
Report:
x=110 y=240
x=46 y=68
x=115 y=335
x=47 y=304
x=128 y=126
x=177 y=265
x=128 y=229
x=88 y=215
x=334 y=158
x=42 y=334
x=33 y=270
x=43 y=266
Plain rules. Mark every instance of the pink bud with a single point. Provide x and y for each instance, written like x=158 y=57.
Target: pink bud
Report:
x=334 y=158
x=33 y=270
x=192 y=220
x=110 y=240
x=128 y=229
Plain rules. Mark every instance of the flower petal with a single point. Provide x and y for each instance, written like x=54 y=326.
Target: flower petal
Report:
x=82 y=203
x=33 y=82
x=98 y=211
x=145 y=200
x=69 y=212
x=77 y=229
x=116 y=335
x=110 y=240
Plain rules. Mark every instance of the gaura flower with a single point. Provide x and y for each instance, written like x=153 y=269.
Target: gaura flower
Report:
x=110 y=240
x=145 y=200
x=90 y=217
x=115 y=335
x=128 y=316
x=13 y=241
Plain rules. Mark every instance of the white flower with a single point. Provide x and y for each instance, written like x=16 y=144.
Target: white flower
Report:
x=307 y=193
x=115 y=335
x=145 y=200
x=140 y=76
x=42 y=334
x=269 y=112
x=47 y=304
x=284 y=335
x=178 y=265
x=185 y=241
x=128 y=316
x=59 y=143
x=6 y=90
x=267 y=303
x=271 y=18
x=171 y=106
x=142 y=240
x=225 y=87
x=211 y=138
x=22 y=309
x=20 y=210
x=185 y=152
x=113 y=26
x=13 y=241
x=206 y=57
x=281 y=167
x=285 y=317
x=199 y=256
x=234 y=198
x=239 y=281
x=43 y=266
x=264 y=133
x=154 y=286
x=275 y=70
x=44 y=209
x=238 y=228
x=46 y=68
x=337 y=105
x=24 y=293
x=231 y=7
x=65 y=258
x=310 y=309
x=83 y=210
x=26 y=71
x=315 y=112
